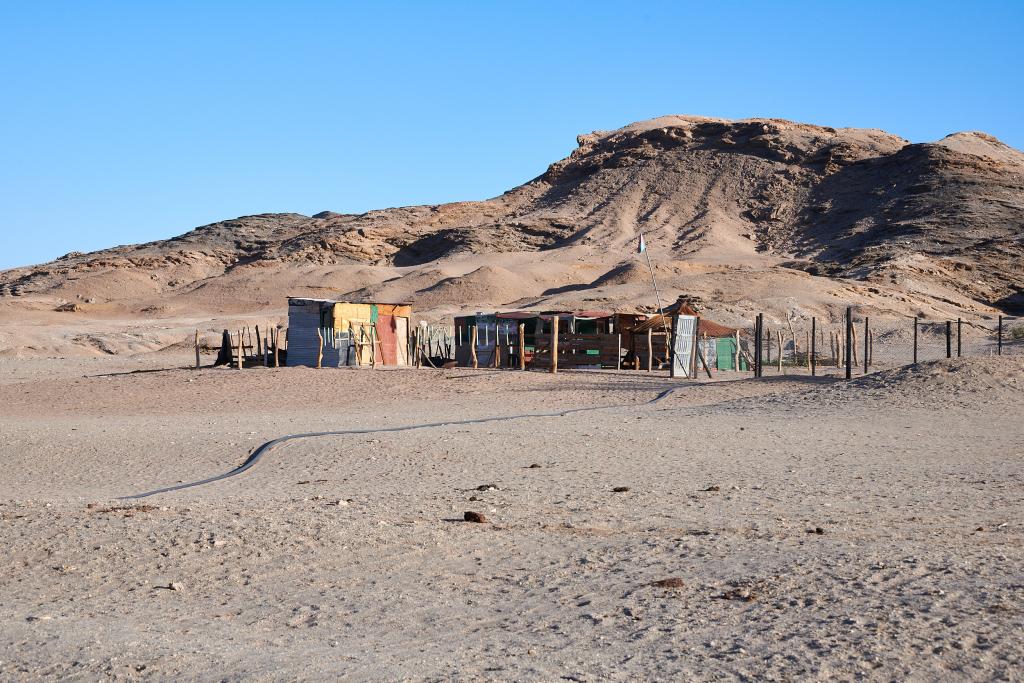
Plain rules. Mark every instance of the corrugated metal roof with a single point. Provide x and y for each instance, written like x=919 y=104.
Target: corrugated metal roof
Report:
x=546 y=315
x=707 y=327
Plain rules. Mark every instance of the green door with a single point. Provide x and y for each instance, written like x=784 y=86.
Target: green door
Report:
x=725 y=349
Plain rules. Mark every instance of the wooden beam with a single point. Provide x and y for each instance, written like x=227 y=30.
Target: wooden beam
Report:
x=650 y=350
x=522 y=346
x=554 y=344
x=736 y=353
x=497 y=346
x=472 y=345
x=779 y=333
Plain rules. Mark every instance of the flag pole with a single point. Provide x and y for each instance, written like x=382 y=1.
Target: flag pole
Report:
x=657 y=292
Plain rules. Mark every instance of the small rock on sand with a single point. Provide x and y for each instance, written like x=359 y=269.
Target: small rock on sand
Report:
x=476 y=517
x=620 y=489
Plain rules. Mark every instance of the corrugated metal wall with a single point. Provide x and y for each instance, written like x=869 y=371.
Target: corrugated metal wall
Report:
x=334 y=320
x=303 y=323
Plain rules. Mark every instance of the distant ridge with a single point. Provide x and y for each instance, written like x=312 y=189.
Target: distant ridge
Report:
x=918 y=225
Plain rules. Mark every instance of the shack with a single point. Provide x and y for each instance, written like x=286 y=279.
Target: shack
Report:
x=720 y=345
x=328 y=333
x=588 y=339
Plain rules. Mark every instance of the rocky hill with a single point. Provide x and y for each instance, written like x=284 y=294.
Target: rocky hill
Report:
x=743 y=215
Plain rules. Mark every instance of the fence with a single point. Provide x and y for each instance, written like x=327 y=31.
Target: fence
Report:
x=817 y=346
x=433 y=345
x=580 y=351
x=869 y=344
x=504 y=350
x=489 y=344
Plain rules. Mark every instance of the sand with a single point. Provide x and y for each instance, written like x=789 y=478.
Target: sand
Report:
x=790 y=528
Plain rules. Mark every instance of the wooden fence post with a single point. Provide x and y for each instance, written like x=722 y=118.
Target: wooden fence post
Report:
x=554 y=344
x=276 y=332
x=760 y=345
x=811 y=348
x=497 y=346
x=472 y=345
x=949 y=339
x=197 y=350
x=736 y=352
x=849 y=345
x=650 y=349
x=856 y=360
x=1000 y=337
x=319 y=348
x=522 y=346
x=241 y=350
x=958 y=329
x=796 y=349
x=779 y=333
x=354 y=344
x=757 y=345
x=867 y=345
x=915 y=340
x=754 y=348
x=373 y=346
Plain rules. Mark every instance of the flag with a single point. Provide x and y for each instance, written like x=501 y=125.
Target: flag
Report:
x=641 y=246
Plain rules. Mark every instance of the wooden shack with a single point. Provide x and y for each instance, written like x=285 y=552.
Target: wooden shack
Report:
x=587 y=339
x=328 y=333
x=719 y=344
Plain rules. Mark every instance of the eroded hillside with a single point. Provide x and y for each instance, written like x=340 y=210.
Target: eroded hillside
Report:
x=743 y=215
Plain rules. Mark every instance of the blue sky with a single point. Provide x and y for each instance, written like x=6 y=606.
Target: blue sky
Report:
x=124 y=122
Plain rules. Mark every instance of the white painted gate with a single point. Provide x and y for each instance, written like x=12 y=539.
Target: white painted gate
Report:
x=684 y=336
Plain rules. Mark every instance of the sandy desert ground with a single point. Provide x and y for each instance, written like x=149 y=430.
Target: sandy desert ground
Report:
x=790 y=528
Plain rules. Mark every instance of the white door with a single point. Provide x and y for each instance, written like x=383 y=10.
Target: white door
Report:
x=684 y=335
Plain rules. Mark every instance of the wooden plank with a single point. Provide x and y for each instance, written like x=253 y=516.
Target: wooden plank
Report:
x=554 y=344
x=522 y=346
x=472 y=346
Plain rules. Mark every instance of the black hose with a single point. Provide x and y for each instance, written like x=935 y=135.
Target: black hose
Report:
x=262 y=450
